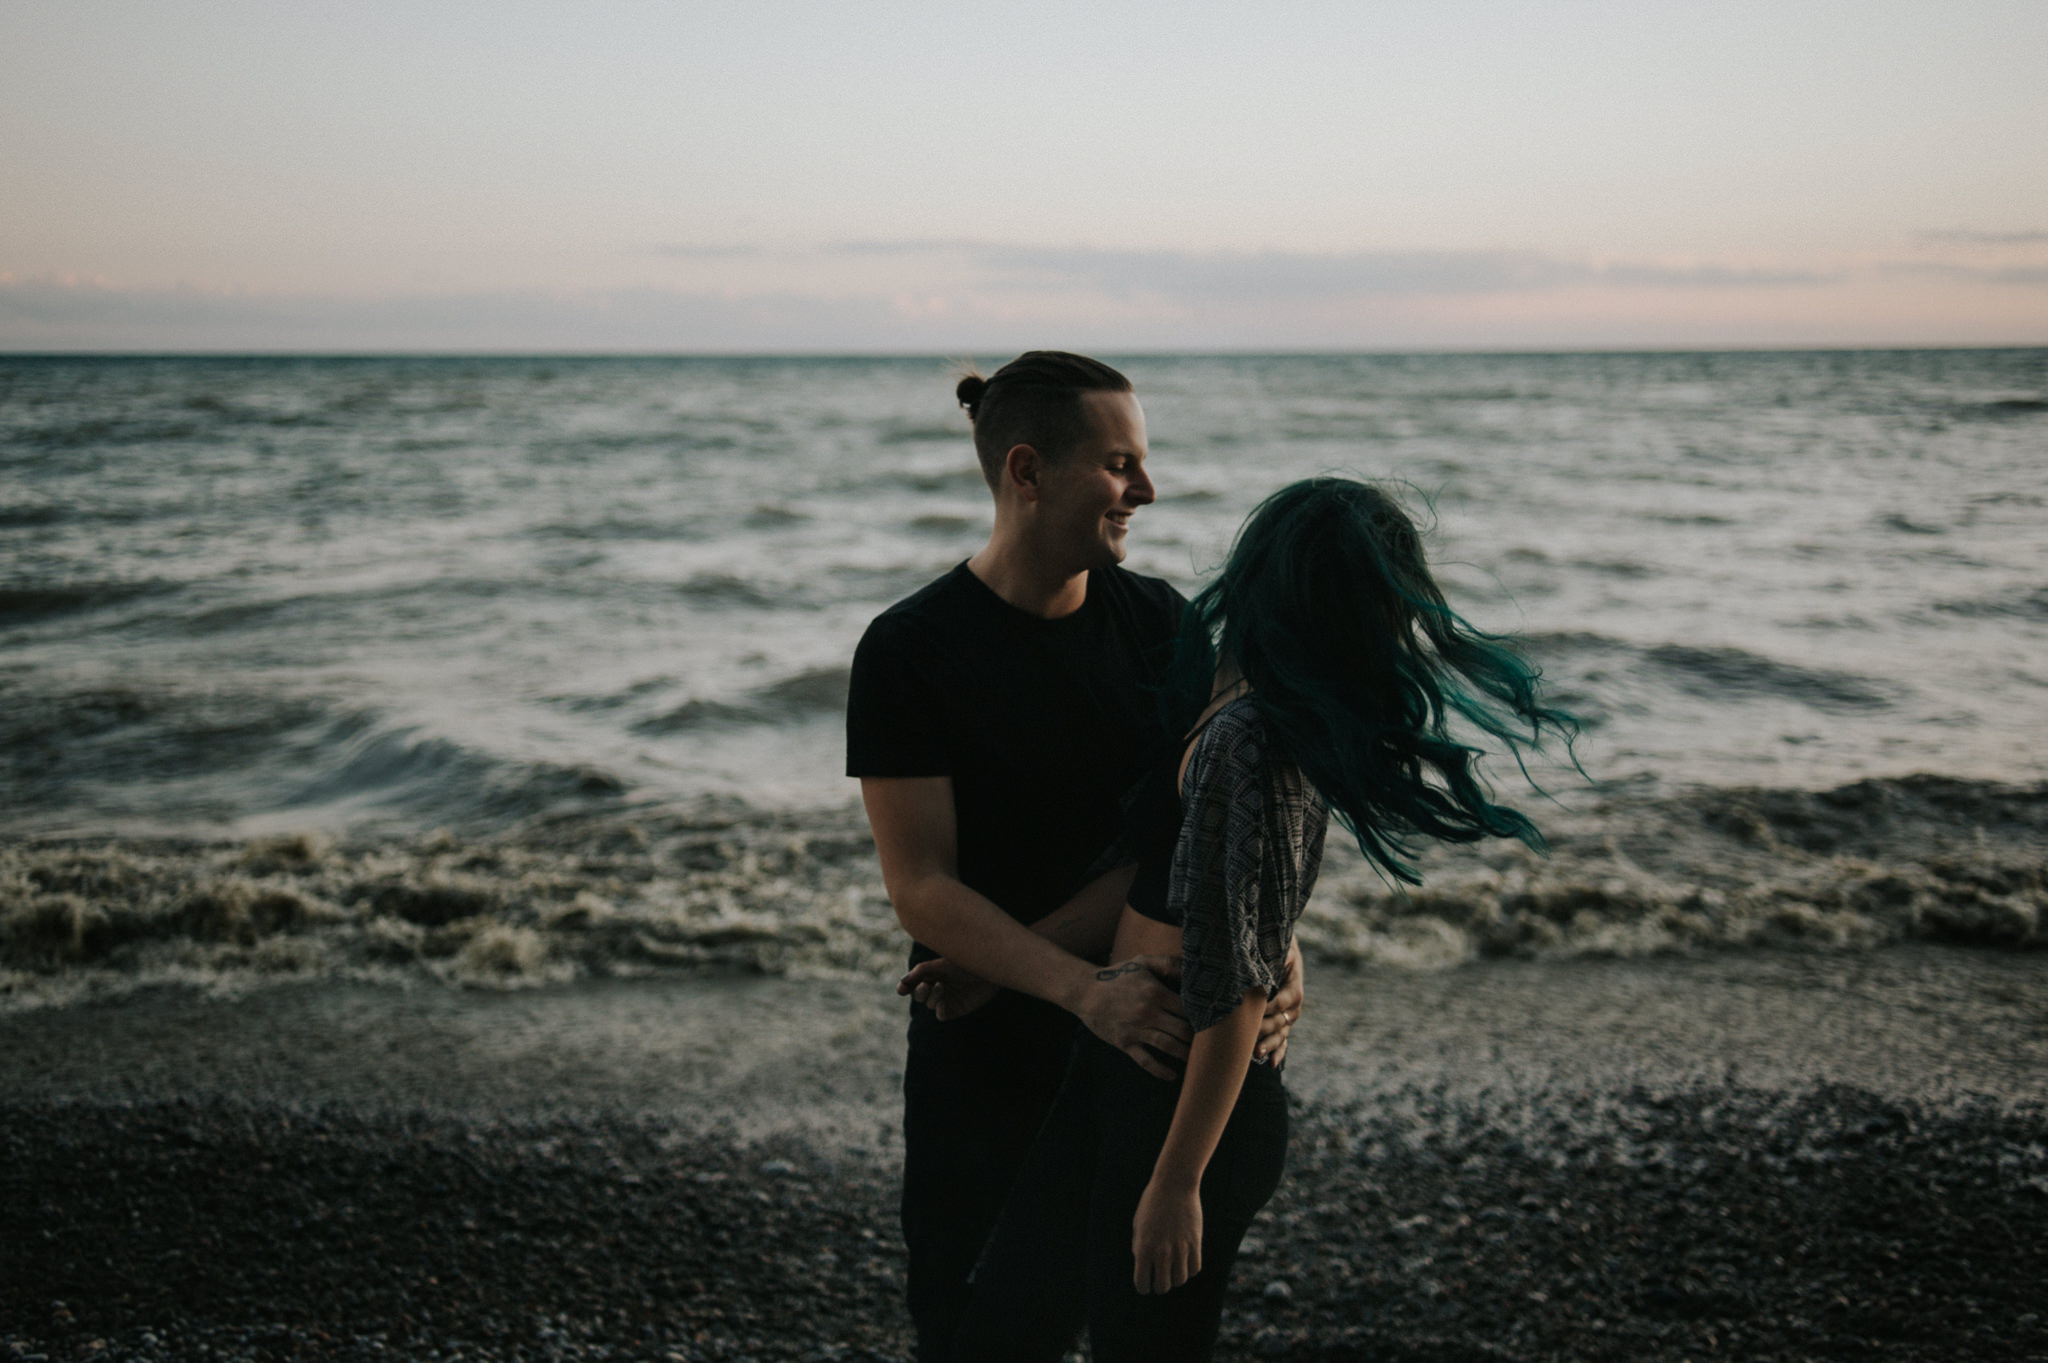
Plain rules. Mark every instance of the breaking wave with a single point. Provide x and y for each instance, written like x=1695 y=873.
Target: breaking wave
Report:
x=721 y=886
x=1718 y=672
x=818 y=691
x=1715 y=672
x=26 y=603
x=2017 y=605
x=112 y=754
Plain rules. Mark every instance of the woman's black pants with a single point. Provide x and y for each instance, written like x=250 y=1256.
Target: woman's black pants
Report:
x=1061 y=1252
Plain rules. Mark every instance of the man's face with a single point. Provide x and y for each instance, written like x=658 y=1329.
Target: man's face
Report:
x=1086 y=499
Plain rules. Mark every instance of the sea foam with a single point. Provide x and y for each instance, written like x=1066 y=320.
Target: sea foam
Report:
x=728 y=889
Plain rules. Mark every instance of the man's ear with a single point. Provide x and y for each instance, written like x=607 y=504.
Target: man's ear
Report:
x=1021 y=467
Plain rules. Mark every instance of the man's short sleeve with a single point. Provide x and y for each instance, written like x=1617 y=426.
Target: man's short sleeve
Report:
x=895 y=717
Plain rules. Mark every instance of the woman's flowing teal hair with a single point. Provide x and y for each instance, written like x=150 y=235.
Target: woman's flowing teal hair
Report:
x=1360 y=670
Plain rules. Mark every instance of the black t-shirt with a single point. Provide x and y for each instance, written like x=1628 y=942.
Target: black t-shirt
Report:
x=1041 y=724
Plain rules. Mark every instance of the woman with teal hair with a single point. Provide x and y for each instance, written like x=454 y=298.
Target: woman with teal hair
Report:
x=1321 y=672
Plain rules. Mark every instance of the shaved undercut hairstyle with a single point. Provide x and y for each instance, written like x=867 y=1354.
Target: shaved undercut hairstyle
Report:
x=1033 y=400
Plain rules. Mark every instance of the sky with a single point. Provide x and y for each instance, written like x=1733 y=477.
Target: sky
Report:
x=195 y=175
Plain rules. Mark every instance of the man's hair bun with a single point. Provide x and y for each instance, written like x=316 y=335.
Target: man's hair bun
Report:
x=1033 y=400
x=969 y=392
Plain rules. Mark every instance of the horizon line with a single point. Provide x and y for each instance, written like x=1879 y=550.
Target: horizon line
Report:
x=956 y=353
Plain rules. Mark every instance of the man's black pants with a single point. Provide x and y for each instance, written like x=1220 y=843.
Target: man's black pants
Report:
x=975 y=1091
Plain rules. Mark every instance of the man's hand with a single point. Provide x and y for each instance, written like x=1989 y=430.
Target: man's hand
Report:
x=1131 y=1008
x=1283 y=1010
x=946 y=989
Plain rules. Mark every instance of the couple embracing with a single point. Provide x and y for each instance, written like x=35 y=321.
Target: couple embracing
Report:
x=1067 y=765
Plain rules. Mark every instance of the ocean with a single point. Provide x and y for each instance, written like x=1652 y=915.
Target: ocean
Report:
x=419 y=646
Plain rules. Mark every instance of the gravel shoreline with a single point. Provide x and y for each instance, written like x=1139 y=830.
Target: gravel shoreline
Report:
x=1769 y=1156
x=1707 y=1222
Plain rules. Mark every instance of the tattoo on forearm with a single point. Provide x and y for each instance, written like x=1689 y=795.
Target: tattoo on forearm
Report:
x=1126 y=968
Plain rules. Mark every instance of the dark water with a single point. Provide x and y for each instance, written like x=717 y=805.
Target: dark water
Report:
x=594 y=617
x=238 y=594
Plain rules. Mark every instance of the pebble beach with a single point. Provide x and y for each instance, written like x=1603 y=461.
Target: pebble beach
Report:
x=1764 y=1156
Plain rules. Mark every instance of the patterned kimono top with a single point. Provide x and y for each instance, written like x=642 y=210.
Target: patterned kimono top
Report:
x=1234 y=871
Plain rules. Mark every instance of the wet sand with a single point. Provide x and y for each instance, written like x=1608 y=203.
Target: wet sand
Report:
x=757 y=1056
x=1753 y=1155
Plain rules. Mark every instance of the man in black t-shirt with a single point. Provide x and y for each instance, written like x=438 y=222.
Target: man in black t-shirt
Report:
x=996 y=718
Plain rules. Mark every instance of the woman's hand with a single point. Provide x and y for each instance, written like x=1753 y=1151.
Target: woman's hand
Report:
x=1166 y=1237
x=945 y=988
x=1283 y=1010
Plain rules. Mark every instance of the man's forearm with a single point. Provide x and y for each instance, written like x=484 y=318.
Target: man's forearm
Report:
x=1086 y=924
x=970 y=931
